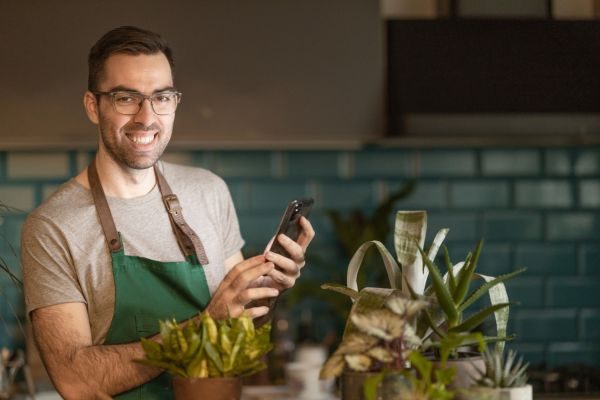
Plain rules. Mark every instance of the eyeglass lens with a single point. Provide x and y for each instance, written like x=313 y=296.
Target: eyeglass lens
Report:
x=130 y=103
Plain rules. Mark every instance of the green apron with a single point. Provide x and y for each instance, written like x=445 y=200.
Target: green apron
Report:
x=147 y=291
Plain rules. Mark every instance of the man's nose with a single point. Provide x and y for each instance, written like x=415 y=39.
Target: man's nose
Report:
x=145 y=115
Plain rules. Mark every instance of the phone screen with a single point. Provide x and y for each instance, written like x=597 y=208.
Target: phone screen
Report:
x=290 y=224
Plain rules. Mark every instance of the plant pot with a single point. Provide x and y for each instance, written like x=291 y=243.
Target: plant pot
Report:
x=392 y=385
x=353 y=385
x=465 y=370
x=516 y=393
x=207 y=388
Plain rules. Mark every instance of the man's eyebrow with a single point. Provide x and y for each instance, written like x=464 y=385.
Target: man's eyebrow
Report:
x=122 y=88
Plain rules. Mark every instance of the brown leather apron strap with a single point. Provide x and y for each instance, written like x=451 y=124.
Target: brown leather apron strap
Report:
x=189 y=242
x=106 y=219
x=187 y=239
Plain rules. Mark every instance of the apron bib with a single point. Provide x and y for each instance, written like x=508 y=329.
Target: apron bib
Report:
x=146 y=290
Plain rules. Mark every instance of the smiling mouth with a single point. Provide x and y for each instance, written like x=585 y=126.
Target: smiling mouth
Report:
x=146 y=139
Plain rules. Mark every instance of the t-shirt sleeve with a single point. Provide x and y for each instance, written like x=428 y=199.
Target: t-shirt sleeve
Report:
x=49 y=276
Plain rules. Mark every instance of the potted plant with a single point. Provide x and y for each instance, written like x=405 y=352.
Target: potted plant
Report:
x=207 y=358
x=424 y=383
x=378 y=345
x=504 y=377
x=445 y=322
x=448 y=296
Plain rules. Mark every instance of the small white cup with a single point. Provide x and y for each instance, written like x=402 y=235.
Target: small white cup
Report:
x=303 y=379
x=311 y=354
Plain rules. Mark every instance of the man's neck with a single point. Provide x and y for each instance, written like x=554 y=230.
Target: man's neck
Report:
x=118 y=180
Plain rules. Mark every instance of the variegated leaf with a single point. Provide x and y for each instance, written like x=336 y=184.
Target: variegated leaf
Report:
x=380 y=323
x=410 y=337
x=381 y=354
x=333 y=367
x=405 y=307
x=356 y=343
x=393 y=270
x=409 y=232
x=358 y=362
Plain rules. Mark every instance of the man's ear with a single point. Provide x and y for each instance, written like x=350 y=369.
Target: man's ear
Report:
x=90 y=103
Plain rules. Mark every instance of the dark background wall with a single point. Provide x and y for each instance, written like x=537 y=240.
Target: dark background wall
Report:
x=256 y=70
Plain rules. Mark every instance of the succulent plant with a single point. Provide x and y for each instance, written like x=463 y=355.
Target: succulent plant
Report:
x=209 y=348
x=501 y=371
x=451 y=293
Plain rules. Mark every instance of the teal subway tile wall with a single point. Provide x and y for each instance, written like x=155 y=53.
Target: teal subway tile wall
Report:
x=536 y=207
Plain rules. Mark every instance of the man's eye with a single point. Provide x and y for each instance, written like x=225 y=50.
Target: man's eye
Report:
x=124 y=99
x=163 y=98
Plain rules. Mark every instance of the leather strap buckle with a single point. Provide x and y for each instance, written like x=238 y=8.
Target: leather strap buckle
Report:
x=172 y=203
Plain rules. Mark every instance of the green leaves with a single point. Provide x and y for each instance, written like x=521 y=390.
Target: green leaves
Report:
x=453 y=297
x=442 y=292
x=466 y=275
x=501 y=371
x=429 y=383
x=209 y=348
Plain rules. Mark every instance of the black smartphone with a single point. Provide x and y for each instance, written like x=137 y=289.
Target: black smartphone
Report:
x=290 y=224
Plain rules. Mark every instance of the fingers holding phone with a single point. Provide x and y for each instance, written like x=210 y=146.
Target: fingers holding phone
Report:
x=292 y=226
x=306 y=234
x=236 y=291
x=287 y=248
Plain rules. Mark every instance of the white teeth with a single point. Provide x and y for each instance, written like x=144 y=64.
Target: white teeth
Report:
x=142 y=139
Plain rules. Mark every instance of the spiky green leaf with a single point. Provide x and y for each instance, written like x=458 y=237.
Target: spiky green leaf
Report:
x=484 y=288
x=466 y=275
x=441 y=290
x=477 y=318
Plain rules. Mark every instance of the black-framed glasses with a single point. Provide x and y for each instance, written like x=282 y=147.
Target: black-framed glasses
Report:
x=130 y=103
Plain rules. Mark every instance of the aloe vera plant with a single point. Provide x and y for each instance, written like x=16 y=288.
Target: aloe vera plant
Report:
x=453 y=297
x=209 y=348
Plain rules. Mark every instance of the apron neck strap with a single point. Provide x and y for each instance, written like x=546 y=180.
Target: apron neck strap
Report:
x=106 y=220
x=188 y=240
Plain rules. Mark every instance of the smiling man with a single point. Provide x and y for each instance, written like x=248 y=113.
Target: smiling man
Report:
x=110 y=253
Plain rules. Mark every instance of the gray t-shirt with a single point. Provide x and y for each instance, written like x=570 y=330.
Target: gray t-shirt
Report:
x=66 y=259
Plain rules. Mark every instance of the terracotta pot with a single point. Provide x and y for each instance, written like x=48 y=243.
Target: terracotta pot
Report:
x=207 y=388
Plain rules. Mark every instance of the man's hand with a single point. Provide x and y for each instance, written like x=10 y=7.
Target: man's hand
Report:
x=288 y=269
x=237 y=290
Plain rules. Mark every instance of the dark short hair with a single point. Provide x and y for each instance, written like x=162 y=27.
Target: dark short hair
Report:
x=124 y=40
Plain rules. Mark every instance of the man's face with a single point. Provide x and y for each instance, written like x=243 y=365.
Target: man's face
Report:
x=134 y=141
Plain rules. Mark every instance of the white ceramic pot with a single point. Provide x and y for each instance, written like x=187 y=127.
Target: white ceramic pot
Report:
x=516 y=393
